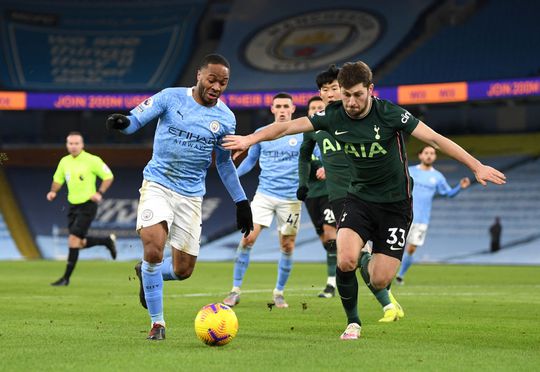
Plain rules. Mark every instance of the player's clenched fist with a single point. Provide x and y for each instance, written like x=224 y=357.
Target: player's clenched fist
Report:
x=117 y=121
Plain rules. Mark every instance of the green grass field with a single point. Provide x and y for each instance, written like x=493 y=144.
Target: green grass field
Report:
x=457 y=318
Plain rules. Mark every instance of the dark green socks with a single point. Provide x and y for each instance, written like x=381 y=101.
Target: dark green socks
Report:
x=347 y=286
x=380 y=294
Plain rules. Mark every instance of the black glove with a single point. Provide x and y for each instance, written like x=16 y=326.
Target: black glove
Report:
x=244 y=219
x=301 y=193
x=117 y=121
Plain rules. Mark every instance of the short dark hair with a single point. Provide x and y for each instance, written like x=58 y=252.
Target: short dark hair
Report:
x=282 y=95
x=327 y=76
x=313 y=99
x=425 y=147
x=215 y=59
x=353 y=73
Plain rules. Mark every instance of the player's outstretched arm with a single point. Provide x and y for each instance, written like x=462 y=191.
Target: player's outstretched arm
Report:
x=270 y=132
x=483 y=173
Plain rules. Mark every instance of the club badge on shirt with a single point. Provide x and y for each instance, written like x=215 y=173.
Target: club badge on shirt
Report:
x=214 y=126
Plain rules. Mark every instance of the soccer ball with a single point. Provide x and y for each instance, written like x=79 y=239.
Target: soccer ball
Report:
x=216 y=324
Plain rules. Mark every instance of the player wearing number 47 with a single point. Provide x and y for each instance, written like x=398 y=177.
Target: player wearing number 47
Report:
x=378 y=206
x=276 y=195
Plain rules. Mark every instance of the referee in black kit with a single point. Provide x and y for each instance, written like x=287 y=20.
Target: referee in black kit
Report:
x=79 y=170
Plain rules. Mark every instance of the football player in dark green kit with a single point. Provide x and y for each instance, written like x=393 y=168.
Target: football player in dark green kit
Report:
x=378 y=206
x=337 y=173
x=312 y=191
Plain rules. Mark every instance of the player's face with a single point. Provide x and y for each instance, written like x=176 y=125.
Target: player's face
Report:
x=74 y=144
x=428 y=156
x=282 y=108
x=356 y=100
x=330 y=92
x=315 y=106
x=212 y=80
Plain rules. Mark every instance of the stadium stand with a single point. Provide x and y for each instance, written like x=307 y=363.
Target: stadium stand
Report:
x=474 y=39
x=459 y=227
x=483 y=47
x=9 y=249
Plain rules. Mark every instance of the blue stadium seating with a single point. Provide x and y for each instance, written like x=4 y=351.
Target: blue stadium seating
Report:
x=460 y=227
x=499 y=41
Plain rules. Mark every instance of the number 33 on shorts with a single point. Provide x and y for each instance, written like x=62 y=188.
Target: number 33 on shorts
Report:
x=396 y=239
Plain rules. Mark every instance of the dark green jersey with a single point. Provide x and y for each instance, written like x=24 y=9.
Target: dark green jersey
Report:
x=333 y=159
x=308 y=163
x=316 y=187
x=374 y=148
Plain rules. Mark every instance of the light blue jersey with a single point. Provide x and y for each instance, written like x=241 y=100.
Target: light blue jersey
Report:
x=278 y=160
x=186 y=135
x=426 y=184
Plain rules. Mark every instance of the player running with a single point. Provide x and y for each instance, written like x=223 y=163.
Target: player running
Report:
x=337 y=173
x=428 y=181
x=378 y=206
x=192 y=122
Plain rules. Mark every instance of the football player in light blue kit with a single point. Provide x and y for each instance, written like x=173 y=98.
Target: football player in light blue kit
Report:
x=427 y=182
x=192 y=122
x=276 y=195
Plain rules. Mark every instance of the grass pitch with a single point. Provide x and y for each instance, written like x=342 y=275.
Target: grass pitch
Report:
x=456 y=318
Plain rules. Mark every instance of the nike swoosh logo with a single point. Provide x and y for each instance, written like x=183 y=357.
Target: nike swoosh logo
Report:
x=337 y=133
x=317 y=131
x=396 y=248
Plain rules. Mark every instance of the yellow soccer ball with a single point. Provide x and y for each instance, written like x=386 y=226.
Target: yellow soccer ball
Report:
x=216 y=324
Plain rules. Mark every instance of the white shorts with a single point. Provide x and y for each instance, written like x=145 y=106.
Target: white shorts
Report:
x=287 y=213
x=417 y=234
x=182 y=214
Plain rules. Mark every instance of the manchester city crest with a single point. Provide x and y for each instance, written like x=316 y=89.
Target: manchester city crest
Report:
x=214 y=126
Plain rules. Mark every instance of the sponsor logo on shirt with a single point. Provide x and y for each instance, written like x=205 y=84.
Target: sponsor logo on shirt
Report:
x=281 y=155
x=405 y=117
x=190 y=139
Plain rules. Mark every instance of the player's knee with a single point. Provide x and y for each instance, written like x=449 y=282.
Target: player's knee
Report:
x=287 y=247
x=380 y=281
x=411 y=249
x=183 y=273
x=330 y=246
x=153 y=253
x=347 y=264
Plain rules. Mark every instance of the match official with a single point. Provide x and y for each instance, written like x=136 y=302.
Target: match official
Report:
x=79 y=170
